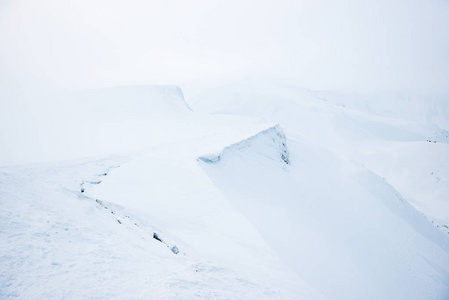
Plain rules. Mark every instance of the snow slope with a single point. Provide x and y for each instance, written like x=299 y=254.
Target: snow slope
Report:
x=224 y=206
x=403 y=139
x=148 y=224
x=60 y=243
x=342 y=228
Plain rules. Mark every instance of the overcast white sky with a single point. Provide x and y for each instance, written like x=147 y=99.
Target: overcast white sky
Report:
x=396 y=44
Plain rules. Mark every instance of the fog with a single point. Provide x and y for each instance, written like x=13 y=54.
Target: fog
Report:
x=345 y=45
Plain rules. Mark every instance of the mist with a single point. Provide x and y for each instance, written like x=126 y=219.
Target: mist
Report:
x=323 y=45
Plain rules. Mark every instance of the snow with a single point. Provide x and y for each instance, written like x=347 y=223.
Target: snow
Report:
x=270 y=142
x=397 y=137
x=341 y=230
x=62 y=244
x=257 y=191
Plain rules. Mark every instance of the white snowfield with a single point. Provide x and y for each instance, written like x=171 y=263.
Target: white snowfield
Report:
x=324 y=201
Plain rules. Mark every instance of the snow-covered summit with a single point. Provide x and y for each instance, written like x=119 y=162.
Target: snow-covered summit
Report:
x=70 y=125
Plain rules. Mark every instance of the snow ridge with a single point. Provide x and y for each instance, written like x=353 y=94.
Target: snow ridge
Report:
x=270 y=142
x=119 y=212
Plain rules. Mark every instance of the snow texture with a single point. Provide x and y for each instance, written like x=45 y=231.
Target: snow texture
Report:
x=260 y=192
x=271 y=142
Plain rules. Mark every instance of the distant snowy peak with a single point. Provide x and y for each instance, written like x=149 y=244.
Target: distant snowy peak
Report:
x=140 y=101
x=271 y=143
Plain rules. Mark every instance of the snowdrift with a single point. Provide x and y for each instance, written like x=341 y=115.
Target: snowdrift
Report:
x=270 y=142
x=184 y=206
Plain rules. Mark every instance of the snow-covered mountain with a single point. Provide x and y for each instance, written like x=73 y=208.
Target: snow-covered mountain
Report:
x=403 y=139
x=252 y=191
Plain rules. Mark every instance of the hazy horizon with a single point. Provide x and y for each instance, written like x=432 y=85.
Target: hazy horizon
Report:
x=321 y=45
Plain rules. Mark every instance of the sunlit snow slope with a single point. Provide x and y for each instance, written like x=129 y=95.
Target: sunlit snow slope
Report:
x=280 y=193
